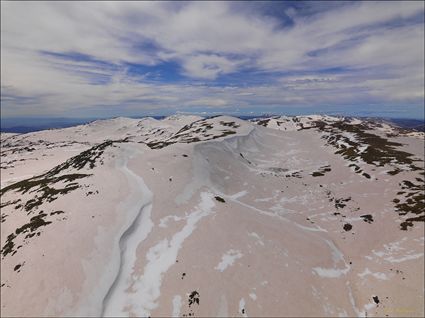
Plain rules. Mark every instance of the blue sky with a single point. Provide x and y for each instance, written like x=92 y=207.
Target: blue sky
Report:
x=103 y=59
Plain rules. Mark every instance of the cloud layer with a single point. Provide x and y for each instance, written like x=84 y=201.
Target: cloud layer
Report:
x=129 y=58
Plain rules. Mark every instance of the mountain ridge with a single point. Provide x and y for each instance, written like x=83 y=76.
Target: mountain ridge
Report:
x=160 y=215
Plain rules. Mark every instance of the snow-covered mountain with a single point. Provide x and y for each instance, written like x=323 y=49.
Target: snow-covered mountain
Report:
x=190 y=216
x=291 y=123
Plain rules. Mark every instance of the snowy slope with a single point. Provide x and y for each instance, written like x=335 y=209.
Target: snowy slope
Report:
x=186 y=216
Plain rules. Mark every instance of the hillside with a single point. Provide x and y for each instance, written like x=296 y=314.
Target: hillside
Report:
x=190 y=216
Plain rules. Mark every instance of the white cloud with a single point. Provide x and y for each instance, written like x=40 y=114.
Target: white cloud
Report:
x=209 y=102
x=207 y=66
x=207 y=40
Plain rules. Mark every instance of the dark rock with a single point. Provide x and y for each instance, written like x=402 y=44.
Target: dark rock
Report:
x=367 y=218
x=220 y=199
x=376 y=299
x=347 y=227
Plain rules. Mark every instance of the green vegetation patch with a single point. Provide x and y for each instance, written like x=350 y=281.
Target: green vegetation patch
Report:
x=230 y=124
x=86 y=158
x=340 y=203
x=192 y=133
x=47 y=188
x=411 y=202
x=322 y=171
x=263 y=122
x=30 y=229
x=44 y=188
x=380 y=151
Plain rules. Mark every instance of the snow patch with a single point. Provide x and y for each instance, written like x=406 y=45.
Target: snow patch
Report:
x=238 y=195
x=256 y=236
x=391 y=259
x=163 y=222
x=177 y=304
x=146 y=289
x=337 y=257
x=377 y=275
x=228 y=259
x=242 y=309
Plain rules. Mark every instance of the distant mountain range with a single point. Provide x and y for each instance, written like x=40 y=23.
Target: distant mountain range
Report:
x=30 y=124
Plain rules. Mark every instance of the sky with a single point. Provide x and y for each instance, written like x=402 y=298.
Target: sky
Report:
x=104 y=59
